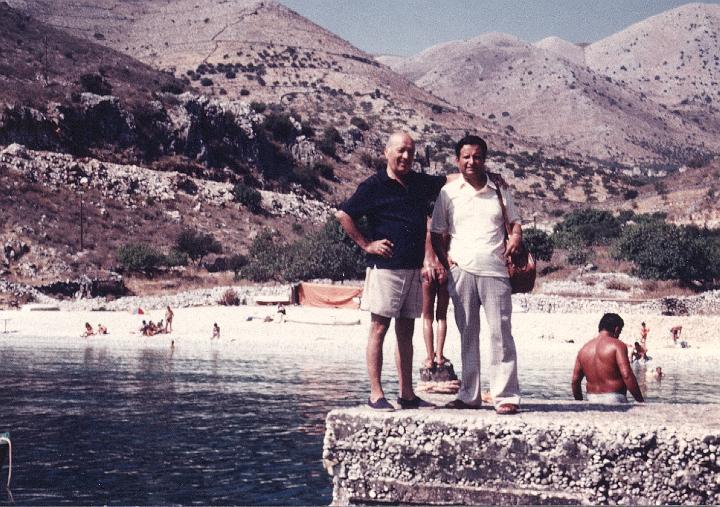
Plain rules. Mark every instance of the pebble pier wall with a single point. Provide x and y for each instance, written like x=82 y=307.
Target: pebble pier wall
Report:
x=550 y=453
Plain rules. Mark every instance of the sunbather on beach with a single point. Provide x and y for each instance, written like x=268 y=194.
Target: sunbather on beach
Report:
x=604 y=362
x=88 y=330
x=101 y=329
x=216 y=331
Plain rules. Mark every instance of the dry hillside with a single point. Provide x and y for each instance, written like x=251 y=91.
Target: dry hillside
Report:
x=535 y=92
x=672 y=58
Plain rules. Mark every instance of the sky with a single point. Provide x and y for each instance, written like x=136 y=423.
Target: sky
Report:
x=406 y=27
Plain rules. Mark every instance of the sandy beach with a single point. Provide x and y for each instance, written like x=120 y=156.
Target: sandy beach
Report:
x=325 y=332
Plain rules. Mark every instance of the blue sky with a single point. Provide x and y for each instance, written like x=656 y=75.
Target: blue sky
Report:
x=405 y=27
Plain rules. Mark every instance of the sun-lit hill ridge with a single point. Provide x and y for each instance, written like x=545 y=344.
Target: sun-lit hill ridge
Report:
x=545 y=97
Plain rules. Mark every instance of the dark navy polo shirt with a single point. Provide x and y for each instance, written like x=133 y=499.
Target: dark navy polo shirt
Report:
x=396 y=213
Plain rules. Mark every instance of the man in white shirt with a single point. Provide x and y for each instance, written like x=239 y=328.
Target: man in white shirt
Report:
x=468 y=218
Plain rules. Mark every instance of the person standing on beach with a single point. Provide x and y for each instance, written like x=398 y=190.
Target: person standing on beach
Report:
x=468 y=212
x=395 y=201
x=604 y=362
x=215 y=332
x=168 y=319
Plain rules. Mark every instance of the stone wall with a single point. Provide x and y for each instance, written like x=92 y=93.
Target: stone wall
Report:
x=550 y=453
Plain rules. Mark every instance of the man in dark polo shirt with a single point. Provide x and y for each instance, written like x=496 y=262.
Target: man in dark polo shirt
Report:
x=395 y=202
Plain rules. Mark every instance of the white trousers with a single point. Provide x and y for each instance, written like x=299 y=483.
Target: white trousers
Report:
x=469 y=292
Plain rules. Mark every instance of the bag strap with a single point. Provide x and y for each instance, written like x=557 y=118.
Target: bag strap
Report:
x=508 y=232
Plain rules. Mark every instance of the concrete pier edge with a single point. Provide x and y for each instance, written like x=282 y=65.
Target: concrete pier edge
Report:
x=552 y=452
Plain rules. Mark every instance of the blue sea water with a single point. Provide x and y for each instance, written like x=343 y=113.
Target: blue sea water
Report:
x=95 y=426
x=101 y=425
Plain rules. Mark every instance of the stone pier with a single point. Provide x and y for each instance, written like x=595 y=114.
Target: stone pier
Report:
x=552 y=452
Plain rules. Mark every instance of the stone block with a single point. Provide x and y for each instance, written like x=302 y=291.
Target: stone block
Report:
x=552 y=452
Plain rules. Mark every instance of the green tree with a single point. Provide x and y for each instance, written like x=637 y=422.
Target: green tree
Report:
x=665 y=251
x=236 y=263
x=327 y=253
x=539 y=243
x=589 y=226
x=139 y=257
x=268 y=256
x=197 y=244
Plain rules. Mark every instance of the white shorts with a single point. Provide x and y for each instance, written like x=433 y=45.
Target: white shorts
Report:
x=392 y=293
x=607 y=398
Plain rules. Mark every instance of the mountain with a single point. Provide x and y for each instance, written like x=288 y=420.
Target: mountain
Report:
x=672 y=59
x=562 y=48
x=548 y=98
x=261 y=51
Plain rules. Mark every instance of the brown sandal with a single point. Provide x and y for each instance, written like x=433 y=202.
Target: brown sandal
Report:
x=507 y=409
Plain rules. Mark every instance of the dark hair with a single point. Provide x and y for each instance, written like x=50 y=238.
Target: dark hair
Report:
x=610 y=321
x=471 y=141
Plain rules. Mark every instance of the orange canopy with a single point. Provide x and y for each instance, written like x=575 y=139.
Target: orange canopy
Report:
x=329 y=296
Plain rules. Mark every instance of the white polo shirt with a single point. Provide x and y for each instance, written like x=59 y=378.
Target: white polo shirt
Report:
x=474 y=221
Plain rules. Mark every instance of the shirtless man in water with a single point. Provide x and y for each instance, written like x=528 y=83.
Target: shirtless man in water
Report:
x=604 y=361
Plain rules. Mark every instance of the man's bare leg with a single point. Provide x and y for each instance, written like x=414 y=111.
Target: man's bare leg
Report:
x=374 y=354
x=443 y=300
x=404 y=328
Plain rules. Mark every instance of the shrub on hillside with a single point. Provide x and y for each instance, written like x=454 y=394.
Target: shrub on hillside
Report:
x=95 y=83
x=280 y=127
x=329 y=141
x=248 y=197
x=138 y=257
x=324 y=170
x=359 y=123
x=197 y=244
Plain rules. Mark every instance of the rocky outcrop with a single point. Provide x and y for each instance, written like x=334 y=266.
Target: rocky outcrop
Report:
x=131 y=183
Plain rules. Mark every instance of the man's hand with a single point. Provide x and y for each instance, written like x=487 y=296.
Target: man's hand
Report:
x=381 y=247
x=513 y=245
x=441 y=274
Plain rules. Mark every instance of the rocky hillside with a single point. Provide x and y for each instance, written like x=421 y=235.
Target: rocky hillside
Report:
x=153 y=111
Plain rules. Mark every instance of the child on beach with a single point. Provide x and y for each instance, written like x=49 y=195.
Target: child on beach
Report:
x=88 y=330
x=101 y=329
x=281 y=313
x=216 y=331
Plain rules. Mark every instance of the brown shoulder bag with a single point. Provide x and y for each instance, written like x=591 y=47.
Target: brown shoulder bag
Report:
x=521 y=265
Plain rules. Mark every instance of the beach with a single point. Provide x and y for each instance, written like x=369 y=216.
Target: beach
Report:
x=322 y=332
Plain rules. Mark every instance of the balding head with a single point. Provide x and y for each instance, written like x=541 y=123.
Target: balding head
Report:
x=400 y=153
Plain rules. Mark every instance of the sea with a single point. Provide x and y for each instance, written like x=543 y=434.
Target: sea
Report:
x=95 y=425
